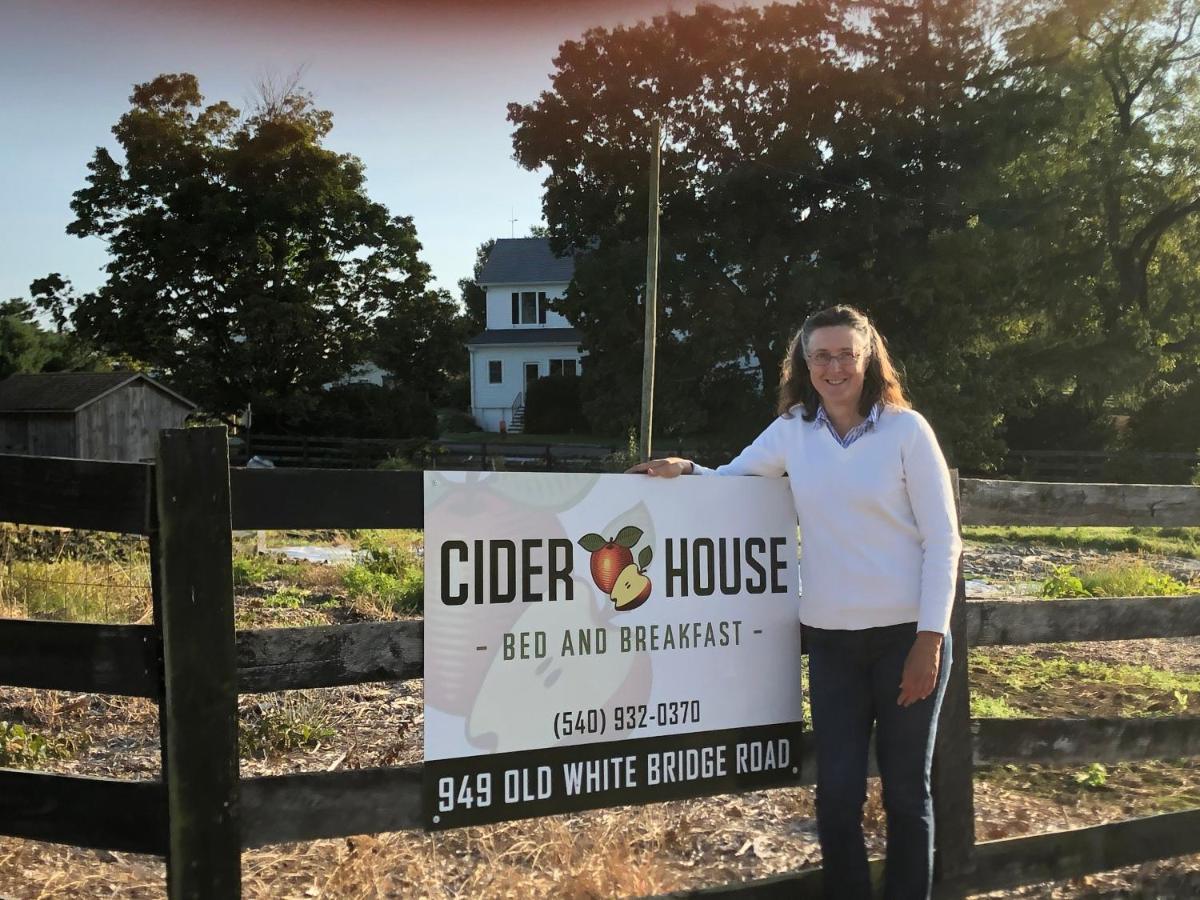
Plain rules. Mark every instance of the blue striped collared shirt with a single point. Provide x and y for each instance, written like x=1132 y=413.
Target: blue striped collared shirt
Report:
x=854 y=433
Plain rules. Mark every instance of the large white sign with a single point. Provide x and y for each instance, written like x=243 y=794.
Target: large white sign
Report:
x=602 y=639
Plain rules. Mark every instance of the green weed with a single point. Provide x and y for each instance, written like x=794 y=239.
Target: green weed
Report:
x=297 y=720
x=390 y=575
x=287 y=597
x=1135 y=579
x=1094 y=776
x=1063 y=582
x=256 y=569
x=985 y=707
x=21 y=748
x=1129 y=580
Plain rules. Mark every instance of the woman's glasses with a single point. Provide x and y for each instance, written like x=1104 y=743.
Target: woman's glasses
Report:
x=822 y=359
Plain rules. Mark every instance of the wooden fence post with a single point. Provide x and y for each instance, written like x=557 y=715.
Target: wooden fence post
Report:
x=195 y=562
x=953 y=761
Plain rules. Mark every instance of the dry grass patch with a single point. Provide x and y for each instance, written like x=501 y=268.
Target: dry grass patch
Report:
x=76 y=590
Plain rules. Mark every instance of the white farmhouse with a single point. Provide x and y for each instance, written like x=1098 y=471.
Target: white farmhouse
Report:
x=524 y=340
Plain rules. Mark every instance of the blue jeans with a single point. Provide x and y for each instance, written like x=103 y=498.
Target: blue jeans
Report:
x=854 y=680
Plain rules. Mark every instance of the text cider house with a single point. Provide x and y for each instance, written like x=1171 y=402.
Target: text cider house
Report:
x=533 y=570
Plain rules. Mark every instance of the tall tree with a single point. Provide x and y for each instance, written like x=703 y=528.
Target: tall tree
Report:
x=736 y=242
x=27 y=347
x=816 y=154
x=471 y=294
x=248 y=263
x=1119 y=182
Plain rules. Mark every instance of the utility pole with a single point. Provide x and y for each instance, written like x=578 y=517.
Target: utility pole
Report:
x=651 y=298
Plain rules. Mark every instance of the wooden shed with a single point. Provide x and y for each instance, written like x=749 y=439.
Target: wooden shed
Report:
x=87 y=415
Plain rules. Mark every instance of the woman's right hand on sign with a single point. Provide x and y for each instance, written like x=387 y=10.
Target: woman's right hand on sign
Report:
x=670 y=467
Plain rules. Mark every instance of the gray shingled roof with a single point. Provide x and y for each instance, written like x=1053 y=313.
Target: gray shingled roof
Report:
x=526 y=261
x=66 y=391
x=525 y=336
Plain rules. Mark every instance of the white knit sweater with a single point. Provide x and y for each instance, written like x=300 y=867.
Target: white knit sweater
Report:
x=878 y=530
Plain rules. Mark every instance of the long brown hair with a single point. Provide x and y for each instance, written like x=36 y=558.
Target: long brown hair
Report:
x=880 y=382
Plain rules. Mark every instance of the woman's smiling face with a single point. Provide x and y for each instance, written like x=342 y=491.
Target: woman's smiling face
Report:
x=837 y=361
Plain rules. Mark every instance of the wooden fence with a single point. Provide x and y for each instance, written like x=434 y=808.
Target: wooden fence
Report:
x=200 y=815
x=489 y=452
x=1098 y=465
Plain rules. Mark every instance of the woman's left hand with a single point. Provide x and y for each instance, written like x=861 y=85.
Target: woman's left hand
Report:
x=921 y=668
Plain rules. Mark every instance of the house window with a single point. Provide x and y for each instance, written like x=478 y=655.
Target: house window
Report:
x=529 y=308
x=495 y=372
x=563 y=367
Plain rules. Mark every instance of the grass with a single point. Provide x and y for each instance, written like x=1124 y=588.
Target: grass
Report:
x=390 y=577
x=76 y=590
x=1025 y=684
x=1129 y=579
x=296 y=720
x=1183 y=542
x=256 y=569
x=986 y=707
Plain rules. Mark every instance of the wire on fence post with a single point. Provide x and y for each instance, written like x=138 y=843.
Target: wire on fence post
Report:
x=195 y=560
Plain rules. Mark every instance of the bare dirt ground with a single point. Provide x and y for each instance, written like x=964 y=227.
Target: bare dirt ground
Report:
x=608 y=853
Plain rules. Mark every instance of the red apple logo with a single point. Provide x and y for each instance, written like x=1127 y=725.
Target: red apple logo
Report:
x=607 y=563
x=613 y=568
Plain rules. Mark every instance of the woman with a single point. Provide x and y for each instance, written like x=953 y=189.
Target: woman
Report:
x=879 y=558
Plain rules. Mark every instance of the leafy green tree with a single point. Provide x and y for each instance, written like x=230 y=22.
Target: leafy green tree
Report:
x=423 y=335
x=731 y=221
x=472 y=296
x=23 y=345
x=1113 y=193
x=815 y=154
x=26 y=347
x=248 y=263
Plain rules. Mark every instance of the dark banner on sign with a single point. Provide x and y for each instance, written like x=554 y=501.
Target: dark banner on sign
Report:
x=475 y=790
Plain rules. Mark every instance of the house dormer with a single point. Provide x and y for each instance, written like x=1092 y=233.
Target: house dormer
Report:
x=520 y=277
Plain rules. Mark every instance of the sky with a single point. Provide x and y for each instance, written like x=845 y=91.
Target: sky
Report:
x=418 y=91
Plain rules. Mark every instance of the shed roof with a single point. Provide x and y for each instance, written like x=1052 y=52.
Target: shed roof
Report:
x=526 y=261
x=69 y=391
x=525 y=336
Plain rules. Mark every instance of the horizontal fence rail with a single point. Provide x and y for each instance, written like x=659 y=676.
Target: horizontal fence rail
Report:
x=101 y=813
x=315 y=805
x=1011 y=862
x=1058 y=855
x=988 y=502
x=1016 y=622
x=277 y=659
x=1063 y=742
x=74 y=656
x=329 y=655
x=75 y=493
x=113 y=496
x=1091 y=465
x=326 y=498
x=311 y=806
